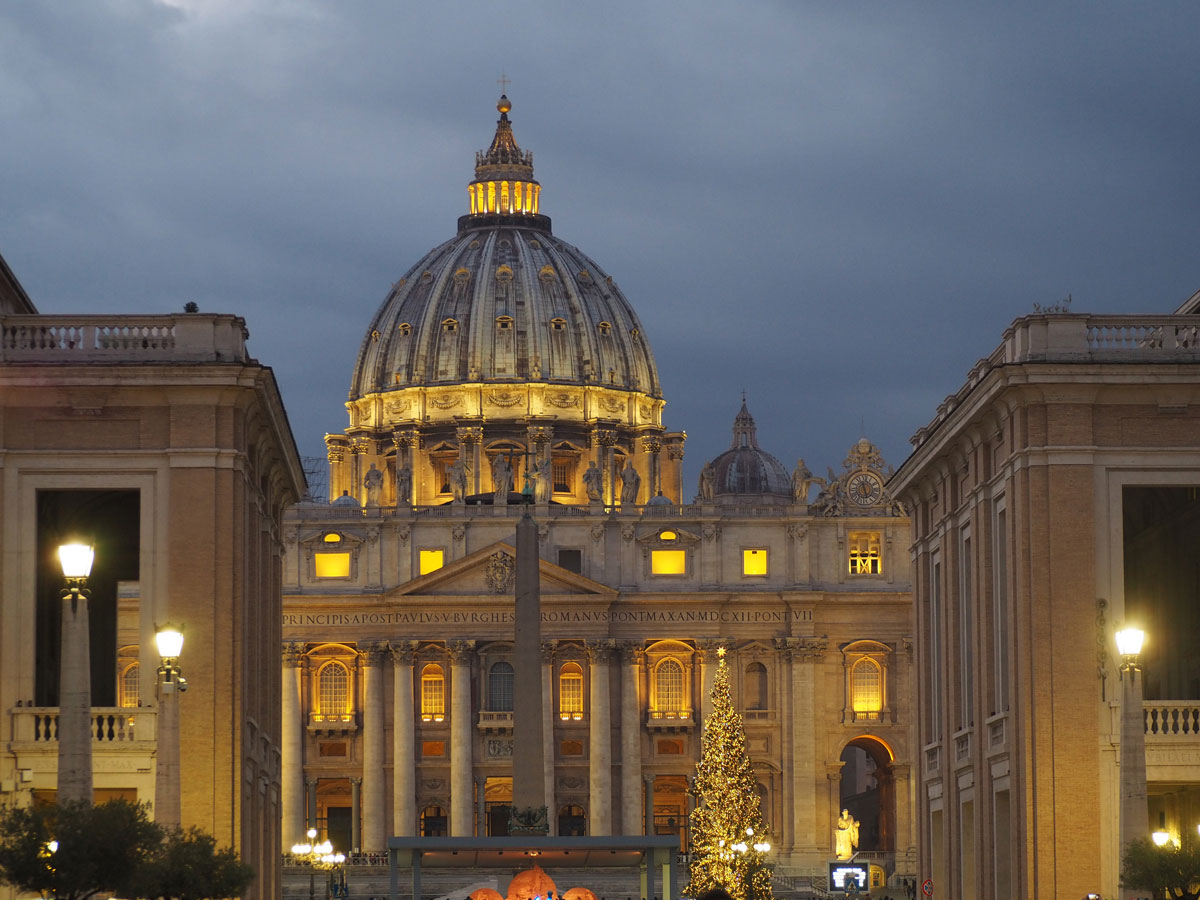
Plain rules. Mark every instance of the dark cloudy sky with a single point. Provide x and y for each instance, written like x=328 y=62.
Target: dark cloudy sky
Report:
x=837 y=207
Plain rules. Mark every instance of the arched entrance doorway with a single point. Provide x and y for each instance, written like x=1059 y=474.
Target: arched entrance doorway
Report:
x=868 y=791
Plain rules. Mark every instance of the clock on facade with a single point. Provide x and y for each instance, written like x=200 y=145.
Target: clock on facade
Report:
x=865 y=488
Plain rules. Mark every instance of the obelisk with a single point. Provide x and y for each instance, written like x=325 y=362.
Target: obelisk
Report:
x=529 y=815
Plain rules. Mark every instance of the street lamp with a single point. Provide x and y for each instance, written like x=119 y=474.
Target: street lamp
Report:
x=75 y=678
x=1134 y=814
x=319 y=856
x=171 y=684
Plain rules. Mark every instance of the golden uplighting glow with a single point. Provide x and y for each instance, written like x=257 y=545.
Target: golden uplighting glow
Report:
x=431 y=561
x=668 y=562
x=331 y=565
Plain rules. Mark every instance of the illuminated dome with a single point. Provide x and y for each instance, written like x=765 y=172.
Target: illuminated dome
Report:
x=505 y=301
x=747 y=471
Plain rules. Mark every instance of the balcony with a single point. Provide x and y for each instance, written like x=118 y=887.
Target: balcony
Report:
x=495 y=721
x=663 y=720
x=332 y=723
x=37 y=726
x=1172 y=740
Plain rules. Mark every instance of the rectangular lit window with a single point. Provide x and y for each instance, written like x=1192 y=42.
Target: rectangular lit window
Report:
x=754 y=562
x=431 y=561
x=864 y=552
x=331 y=565
x=668 y=562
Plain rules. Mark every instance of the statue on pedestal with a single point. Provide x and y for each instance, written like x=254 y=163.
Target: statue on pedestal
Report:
x=404 y=486
x=631 y=482
x=593 y=482
x=845 y=835
x=502 y=480
x=708 y=480
x=802 y=481
x=458 y=480
x=373 y=482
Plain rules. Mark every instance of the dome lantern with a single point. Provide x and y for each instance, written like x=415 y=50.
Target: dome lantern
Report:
x=504 y=184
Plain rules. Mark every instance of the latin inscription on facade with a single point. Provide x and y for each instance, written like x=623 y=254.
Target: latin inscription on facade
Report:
x=494 y=617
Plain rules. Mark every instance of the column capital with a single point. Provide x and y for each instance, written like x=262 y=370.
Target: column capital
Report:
x=540 y=434
x=358 y=447
x=548 y=649
x=403 y=652
x=632 y=653
x=469 y=434
x=355 y=781
x=649 y=779
x=600 y=651
x=652 y=443
x=293 y=654
x=372 y=653
x=605 y=437
x=833 y=770
x=406 y=437
x=460 y=652
x=708 y=647
x=802 y=649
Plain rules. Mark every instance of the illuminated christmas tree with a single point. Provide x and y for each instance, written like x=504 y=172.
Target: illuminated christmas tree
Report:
x=729 y=839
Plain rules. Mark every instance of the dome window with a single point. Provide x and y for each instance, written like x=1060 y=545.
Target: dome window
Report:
x=558 y=324
x=504 y=323
x=450 y=326
x=427 y=276
x=405 y=329
x=635 y=331
x=504 y=273
x=505 y=243
x=374 y=335
x=462 y=276
x=474 y=245
x=605 y=327
x=585 y=275
x=535 y=245
x=547 y=273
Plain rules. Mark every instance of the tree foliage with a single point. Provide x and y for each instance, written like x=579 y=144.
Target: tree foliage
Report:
x=727 y=810
x=73 y=851
x=189 y=866
x=1168 y=871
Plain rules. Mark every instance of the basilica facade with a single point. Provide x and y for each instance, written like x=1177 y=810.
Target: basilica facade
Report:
x=504 y=372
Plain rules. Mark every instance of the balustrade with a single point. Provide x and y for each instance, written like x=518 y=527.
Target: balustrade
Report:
x=1171 y=720
x=110 y=725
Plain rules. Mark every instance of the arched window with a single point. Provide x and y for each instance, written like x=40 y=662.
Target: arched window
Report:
x=500 y=687
x=572 y=821
x=866 y=686
x=433 y=693
x=570 y=691
x=130 y=685
x=756 y=686
x=333 y=689
x=433 y=822
x=668 y=687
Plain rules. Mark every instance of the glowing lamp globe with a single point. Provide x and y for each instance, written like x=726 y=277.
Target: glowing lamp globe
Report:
x=1129 y=641
x=76 y=560
x=1160 y=838
x=170 y=642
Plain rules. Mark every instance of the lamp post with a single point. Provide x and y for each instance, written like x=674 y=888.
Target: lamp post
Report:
x=318 y=856
x=171 y=684
x=1134 y=815
x=75 y=679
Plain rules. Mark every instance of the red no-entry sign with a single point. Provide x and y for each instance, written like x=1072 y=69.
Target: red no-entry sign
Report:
x=927 y=887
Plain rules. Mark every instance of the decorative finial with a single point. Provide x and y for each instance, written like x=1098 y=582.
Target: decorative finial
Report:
x=504 y=105
x=720 y=653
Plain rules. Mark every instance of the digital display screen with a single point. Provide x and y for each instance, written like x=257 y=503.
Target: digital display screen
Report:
x=848 y=876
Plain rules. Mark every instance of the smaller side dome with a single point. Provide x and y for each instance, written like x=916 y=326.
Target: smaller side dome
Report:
x=745 y=472
x=346 y=500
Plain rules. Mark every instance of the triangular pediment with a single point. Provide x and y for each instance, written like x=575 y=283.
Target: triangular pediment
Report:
x=491 y=571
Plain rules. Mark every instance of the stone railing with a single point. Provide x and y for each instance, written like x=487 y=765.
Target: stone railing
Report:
x=191 y=337
x=1066 y=338
x=1175 y=721
x=110 y=725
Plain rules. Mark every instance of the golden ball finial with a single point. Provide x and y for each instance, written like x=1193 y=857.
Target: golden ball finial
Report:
x=505 y=104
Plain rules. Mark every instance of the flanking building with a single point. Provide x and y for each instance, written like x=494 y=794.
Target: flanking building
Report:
x=161 y=440
x=1054 y=498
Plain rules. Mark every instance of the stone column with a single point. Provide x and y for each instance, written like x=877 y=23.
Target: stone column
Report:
x=461 y=766
x=292 y=746
x=404 y=762
x=652 y=444
x=355 y=814
x=632 y=658
x=604 y=439
x=311 y=784
x=548 y=732
x=406 y=441
x=833 y=809
x=481 y=807
x=374 y=829
x=707 y=648
x=805 y=773
x=600 y=798
x=648 y=820
x=470 y=442
x=358 y=450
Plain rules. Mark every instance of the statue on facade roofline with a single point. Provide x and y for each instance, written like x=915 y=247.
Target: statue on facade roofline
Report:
x=593 y=482
x=373 y=482
x=802 y=481
x=631 y=482
x=708 y=481
x=404 y=486
x=458 y=479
